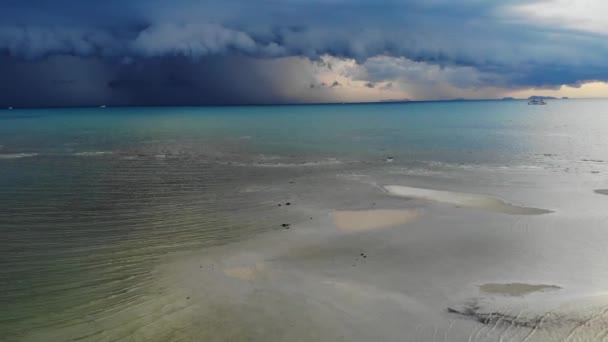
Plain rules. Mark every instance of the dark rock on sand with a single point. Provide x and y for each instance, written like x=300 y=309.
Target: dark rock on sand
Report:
x=495 y=318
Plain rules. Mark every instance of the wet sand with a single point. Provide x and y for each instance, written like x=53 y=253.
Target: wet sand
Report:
x=515 y=289
x=324 y=280
x=464 y=200
x=580 y=319
x=408 y=278
x=366 y=220
x=248 y=273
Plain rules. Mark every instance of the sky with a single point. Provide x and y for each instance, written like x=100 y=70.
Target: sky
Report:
x=216 y=52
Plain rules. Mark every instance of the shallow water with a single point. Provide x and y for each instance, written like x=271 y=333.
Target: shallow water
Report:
x=174 y=224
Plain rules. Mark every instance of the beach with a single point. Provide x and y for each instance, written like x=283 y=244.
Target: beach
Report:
x=350 y=223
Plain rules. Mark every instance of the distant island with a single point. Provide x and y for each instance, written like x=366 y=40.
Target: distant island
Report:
x=509 y=98
x=395 y=100
x=547 y=97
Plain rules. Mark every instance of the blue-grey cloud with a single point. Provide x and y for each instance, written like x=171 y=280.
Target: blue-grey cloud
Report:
x=74 y=81
x=479 y=43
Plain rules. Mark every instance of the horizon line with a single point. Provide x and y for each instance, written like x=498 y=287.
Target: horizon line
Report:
x=404 y=101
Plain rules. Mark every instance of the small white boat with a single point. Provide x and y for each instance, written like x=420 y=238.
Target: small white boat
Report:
x=538 y=102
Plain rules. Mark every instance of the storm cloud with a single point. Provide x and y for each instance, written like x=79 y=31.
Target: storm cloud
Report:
x=190 y=52
x=212 y=80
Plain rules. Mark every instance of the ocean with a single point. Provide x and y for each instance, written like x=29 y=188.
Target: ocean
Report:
x=436 y=221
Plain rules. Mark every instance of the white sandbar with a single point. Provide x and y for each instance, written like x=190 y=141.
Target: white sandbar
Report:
x=464 y=200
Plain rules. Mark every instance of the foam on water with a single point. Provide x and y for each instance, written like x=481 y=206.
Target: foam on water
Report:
x=92 y=153
x=17 y=155
x=325 y=162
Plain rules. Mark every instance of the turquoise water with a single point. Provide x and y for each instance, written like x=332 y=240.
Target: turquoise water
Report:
x=92 y=201
x=490 y=129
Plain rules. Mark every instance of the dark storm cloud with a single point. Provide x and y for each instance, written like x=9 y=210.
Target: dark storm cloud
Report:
x=74 y=81
x=125 y=37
